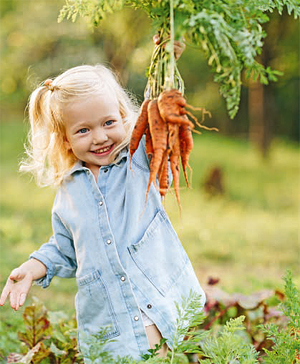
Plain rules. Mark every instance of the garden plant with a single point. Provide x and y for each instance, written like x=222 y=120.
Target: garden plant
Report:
x=207 y=339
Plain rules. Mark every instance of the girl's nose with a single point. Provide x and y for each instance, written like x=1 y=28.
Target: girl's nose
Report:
x=99 y=136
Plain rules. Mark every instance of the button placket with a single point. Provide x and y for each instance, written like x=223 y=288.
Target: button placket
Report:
x=112 y=255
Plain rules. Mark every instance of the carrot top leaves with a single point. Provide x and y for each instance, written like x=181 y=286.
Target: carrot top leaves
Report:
x=229 y=33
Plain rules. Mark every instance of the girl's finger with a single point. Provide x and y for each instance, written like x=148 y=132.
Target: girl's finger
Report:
x=15 y=275
x=13 y=300
x=4 y=295
x=22 y=299
x=17 y=303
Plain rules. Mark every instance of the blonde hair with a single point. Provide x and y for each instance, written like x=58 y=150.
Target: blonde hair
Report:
x=48 y=157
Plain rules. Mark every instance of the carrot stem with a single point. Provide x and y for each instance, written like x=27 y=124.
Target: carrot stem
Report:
x=169 y=79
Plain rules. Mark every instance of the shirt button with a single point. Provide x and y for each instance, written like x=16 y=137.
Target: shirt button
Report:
x=101 y=203
x=136 y=318
x=123 y=278
x=108 y=241
x=149 y=306
x=105 y=170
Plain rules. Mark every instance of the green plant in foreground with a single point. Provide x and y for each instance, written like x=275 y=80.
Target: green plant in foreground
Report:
x=286 y=349
x=51 y=338
x=228 y=346
x=46 y=338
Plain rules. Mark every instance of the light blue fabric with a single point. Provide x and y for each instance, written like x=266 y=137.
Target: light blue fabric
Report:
x=125 y=257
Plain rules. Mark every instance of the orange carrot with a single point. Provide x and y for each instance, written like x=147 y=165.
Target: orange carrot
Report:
x=158 y=131
x=186 y=146
x=174 y=162
x=171 y=107
x=164 y=175
x=168 y=132
x=149 y=146
x=172 y=135
x=139 y=129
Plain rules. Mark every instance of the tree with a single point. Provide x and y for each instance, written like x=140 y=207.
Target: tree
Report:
x=262 y=107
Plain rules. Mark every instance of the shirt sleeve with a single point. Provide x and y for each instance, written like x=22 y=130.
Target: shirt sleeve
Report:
x=58 y=255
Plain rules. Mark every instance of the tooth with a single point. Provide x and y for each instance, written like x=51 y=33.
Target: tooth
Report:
x=102 y=150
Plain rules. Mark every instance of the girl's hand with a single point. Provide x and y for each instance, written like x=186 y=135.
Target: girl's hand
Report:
x=17 y=287
x=179 y=46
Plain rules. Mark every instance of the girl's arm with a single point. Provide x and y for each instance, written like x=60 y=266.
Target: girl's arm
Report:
x=58 y=255
x=55 y=258
x=19 y=282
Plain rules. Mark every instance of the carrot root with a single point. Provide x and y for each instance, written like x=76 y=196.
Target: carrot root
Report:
x=168 y=128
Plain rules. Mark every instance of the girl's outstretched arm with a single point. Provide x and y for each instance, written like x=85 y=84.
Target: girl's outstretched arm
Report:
x=19 y=282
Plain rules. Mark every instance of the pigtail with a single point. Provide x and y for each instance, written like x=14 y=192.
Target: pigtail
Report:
x=39 y=135
x=47 y=156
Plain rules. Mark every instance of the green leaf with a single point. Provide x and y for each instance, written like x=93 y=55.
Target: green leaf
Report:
x=154 y=352
x=55 y=350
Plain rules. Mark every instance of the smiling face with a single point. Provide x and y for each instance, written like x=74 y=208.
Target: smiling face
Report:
x=94 y=127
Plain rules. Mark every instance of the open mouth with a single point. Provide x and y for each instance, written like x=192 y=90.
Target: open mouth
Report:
x=104 y=150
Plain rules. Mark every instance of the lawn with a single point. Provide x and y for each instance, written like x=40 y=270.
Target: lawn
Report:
x=247 y=237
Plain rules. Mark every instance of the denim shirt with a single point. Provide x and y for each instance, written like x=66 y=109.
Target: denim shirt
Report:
x=126 y=257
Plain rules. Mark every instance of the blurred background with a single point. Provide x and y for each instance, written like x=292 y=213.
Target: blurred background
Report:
x=240 y=219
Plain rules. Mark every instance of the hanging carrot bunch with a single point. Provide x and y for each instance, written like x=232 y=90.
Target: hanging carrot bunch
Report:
x=164 y=118
x=168 y=133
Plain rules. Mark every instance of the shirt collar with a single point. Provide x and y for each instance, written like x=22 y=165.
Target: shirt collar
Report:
x=79 y=165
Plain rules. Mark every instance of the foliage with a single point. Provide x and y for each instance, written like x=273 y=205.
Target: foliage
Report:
x=95 y=11
x=186 y=336
x=229 y=33
x=41 y=339
x=257 y=308
x=227 y=344
x=34 y=48
x=9 y=327
x=286 y=347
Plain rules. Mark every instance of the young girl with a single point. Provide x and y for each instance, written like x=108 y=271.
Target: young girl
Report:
x=129 y=264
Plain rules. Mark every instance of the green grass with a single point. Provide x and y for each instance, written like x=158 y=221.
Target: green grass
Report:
x=248 y=237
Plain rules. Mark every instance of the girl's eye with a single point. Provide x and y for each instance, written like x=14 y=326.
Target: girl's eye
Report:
x=83 y=130
x=109 y=122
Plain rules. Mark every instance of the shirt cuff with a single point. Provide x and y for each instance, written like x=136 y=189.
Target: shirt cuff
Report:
x=46 y=280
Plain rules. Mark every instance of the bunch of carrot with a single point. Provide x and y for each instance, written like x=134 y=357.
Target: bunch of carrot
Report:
x=168 y=133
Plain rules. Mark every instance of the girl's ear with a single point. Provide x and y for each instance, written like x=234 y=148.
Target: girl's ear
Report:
x=67 y=143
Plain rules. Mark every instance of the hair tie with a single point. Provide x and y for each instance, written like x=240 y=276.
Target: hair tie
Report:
x=48 y=84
